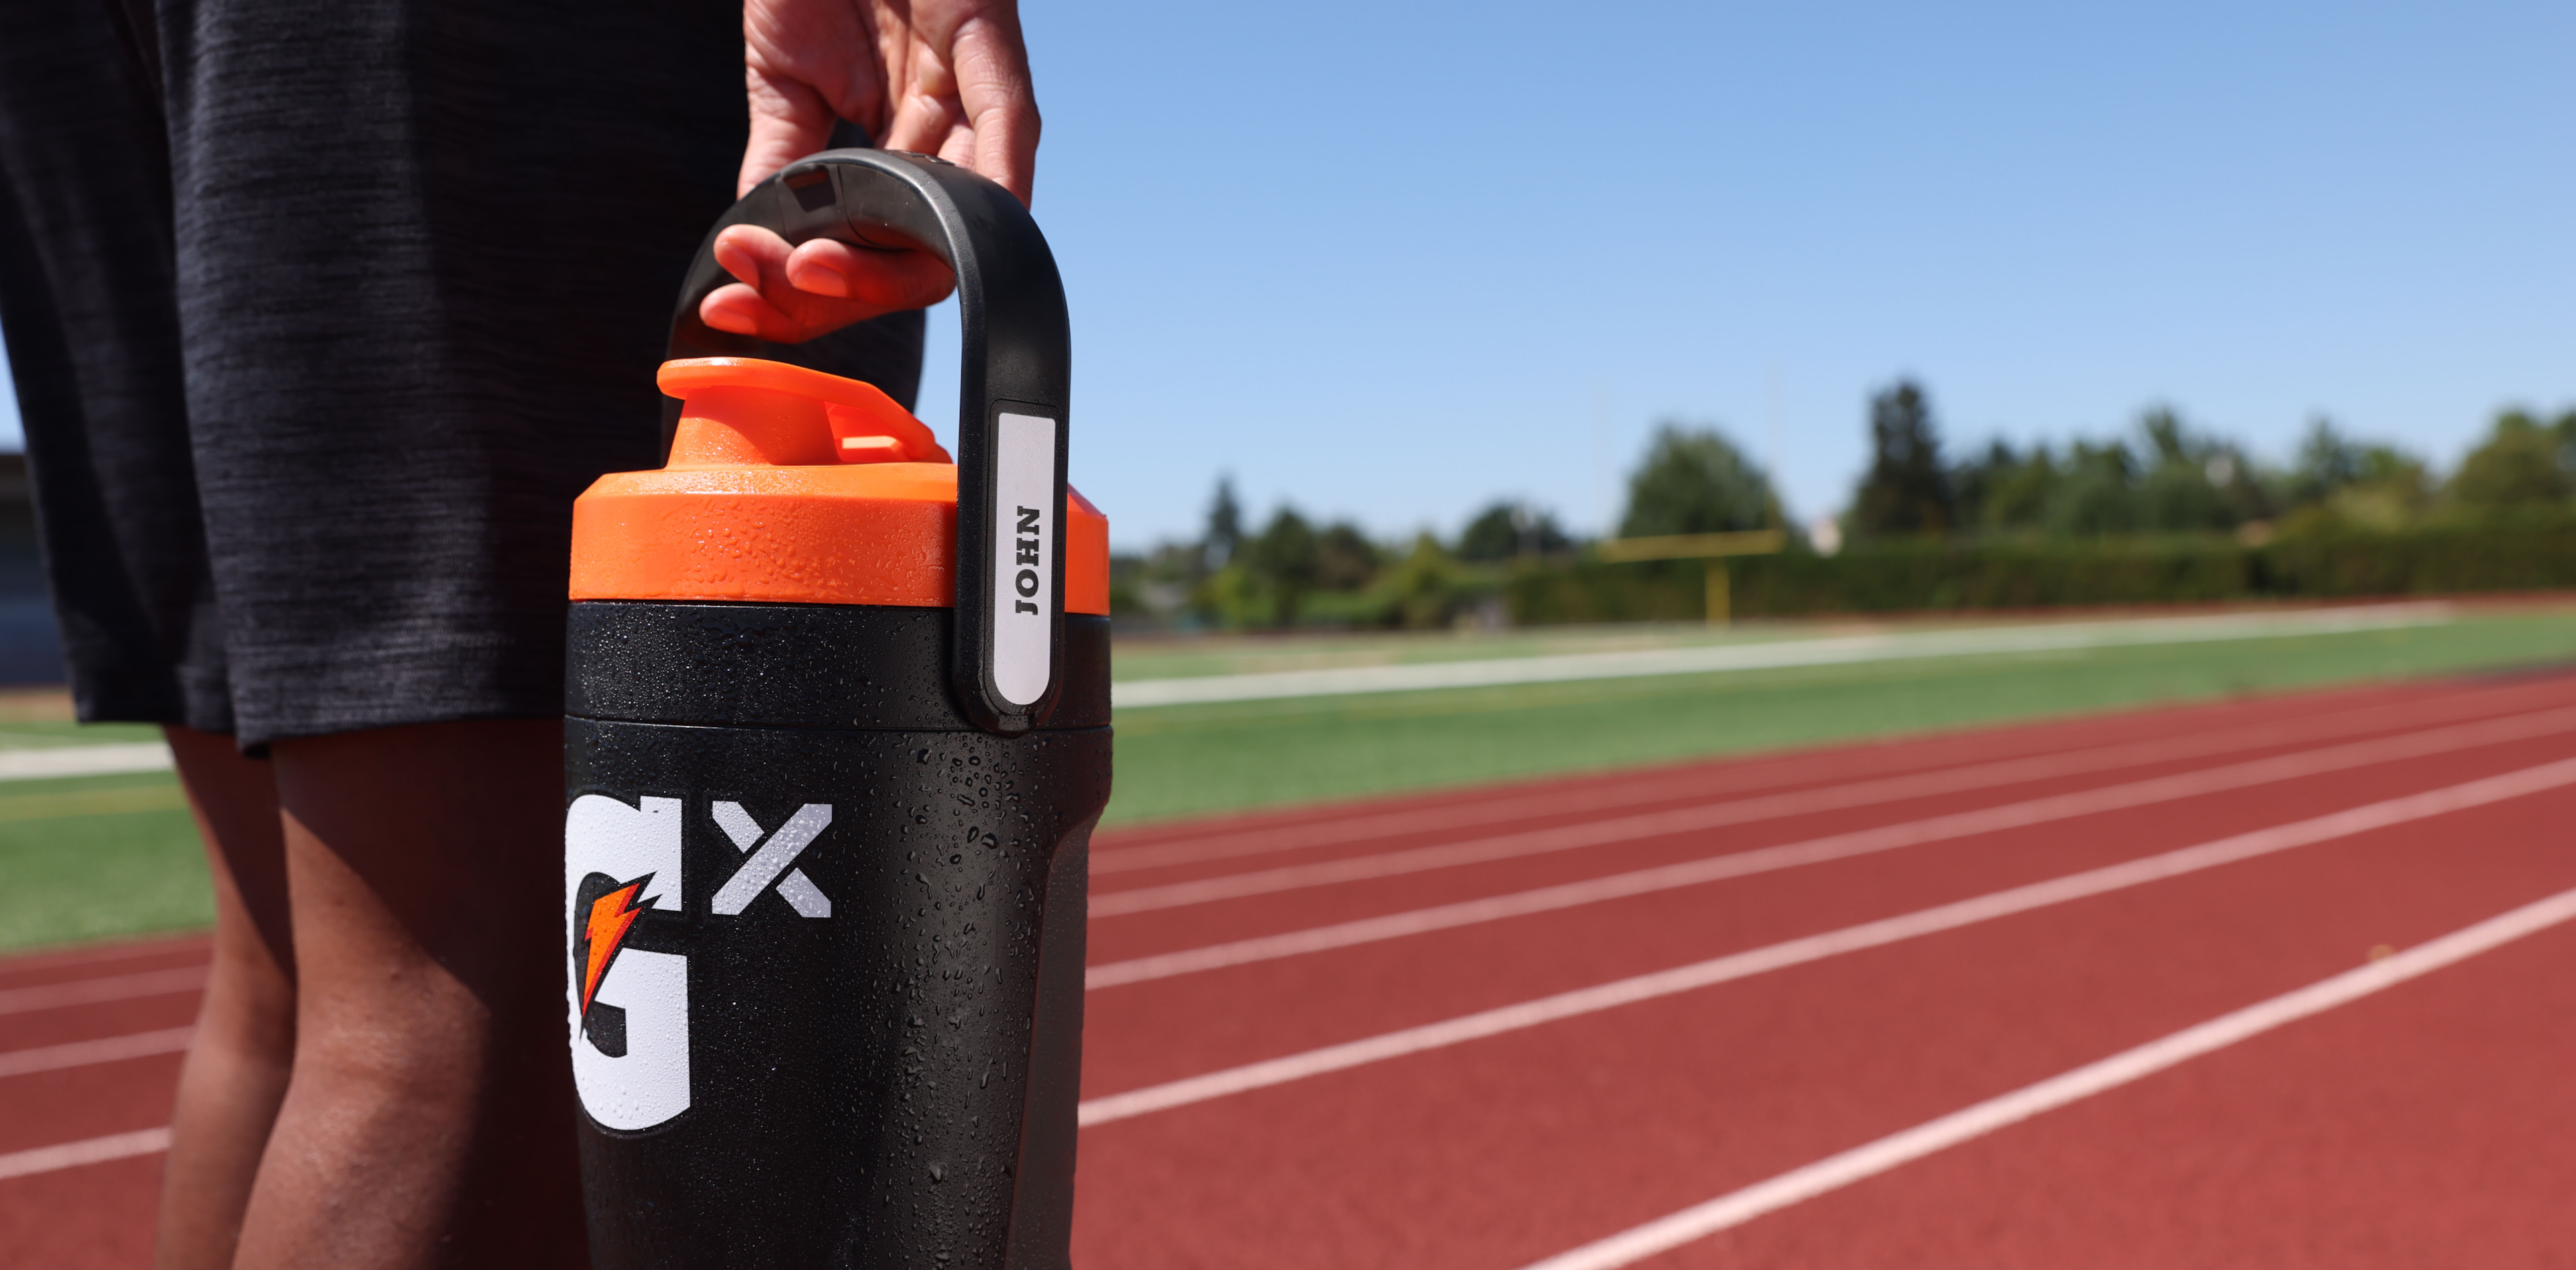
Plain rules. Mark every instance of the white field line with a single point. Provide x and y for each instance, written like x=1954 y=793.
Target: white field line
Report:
x=115 y=1146
x=1798 y=952
x=1834 y=650
x=149 y=983
x=1661 y=787
x=84 y=760
x=1835 y=1172
x=52 y=1058
x=1860 y=842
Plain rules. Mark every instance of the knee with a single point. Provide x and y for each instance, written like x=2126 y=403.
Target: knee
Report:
x=249 y=1011
x=416 y=1039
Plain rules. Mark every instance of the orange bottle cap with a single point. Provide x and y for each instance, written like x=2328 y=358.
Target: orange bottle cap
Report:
x=789 y=485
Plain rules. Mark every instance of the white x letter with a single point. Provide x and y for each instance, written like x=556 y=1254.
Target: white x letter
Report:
x=772 y=862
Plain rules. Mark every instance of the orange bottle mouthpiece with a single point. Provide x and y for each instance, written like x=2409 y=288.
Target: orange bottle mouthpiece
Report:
x=790 y=485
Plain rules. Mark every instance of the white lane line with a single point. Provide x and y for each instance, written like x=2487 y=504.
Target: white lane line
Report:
x=84 y=760
x=1835 y=650
x=1662 y=787
x=69 y=1155
x=1957 y=824
x=150 y=983
x=1797 y=952
x=1843 y=846
x=110 y=1049
x=1835 y=1172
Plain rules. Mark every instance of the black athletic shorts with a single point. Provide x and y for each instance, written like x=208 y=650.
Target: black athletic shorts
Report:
x=323 y=311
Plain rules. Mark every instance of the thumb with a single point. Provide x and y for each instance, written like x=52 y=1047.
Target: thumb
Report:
x=789 y=120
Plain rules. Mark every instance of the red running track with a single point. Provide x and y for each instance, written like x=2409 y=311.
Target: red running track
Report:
x=1489 y=1028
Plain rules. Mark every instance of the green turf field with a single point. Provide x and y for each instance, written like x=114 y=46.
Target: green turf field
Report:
x=1180 y=760
x=95 y=857
x=114 y=855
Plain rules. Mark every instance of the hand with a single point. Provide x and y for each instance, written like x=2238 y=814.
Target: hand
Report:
x=788 y=296
x=944 y=77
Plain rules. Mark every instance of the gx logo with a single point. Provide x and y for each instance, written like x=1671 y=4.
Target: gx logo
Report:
x=628 y=1006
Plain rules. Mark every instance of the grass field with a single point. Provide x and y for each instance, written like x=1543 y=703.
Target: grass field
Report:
x=96 y=856
x=106 y=856
x=1183 y=760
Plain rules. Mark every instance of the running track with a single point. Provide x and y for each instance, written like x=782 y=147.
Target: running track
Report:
x=2266 y=983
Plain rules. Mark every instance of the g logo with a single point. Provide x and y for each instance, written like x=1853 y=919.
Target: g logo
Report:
x=629 y=1008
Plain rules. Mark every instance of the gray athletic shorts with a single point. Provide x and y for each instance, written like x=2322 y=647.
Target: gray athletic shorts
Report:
x=323 y=311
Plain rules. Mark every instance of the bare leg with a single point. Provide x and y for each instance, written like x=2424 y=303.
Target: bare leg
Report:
x=429 y=1121
x=237 y=1067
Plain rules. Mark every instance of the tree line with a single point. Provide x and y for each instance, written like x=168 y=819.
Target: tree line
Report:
x=2165 y=476
x=2169 y=477
x=1292 y=571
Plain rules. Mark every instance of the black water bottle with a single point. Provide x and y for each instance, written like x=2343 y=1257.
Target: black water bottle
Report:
x=837 y=731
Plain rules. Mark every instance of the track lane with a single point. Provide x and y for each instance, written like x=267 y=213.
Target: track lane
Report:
x=1855 y=759
x=71 y=1104
x=1373 y=832
x=1254 y=928
x=96 y=1217
x=2424 y=1127
x=89 y=1022
x=1236 y=904
x=1514 y=1148
x=1150 y=1033
x=124 y=957
x=94 y=1051
x=2108 y=1077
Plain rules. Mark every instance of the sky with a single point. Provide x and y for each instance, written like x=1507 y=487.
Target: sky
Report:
x=1392 y=261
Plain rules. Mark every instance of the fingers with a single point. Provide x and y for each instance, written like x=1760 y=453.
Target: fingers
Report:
x=885 y=280
x=944 y=77
x=789 y=120
x=991 y=67
x=789 y=296
x=742 y=311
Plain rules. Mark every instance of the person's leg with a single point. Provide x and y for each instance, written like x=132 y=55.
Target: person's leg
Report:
x=429 y=1120
x=237 y=1066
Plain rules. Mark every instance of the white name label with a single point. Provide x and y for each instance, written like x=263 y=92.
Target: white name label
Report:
x=1023 y=556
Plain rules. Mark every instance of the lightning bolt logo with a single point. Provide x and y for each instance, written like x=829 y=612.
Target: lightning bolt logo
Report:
x=611 y=916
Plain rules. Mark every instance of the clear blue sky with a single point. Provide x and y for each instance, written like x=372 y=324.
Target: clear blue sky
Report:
x=1392 y=260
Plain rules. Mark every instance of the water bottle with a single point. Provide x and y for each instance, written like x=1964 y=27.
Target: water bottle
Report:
x=836 y=733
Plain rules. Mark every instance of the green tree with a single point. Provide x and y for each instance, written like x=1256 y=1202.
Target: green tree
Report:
x=2003 y=489
x=1694 y=481
x=2523 y=463
x=2194 y=482
x=2336 y=479
x=1283 y=560
x=1345 y=559
x=1906 y=491
x=2097 y=493
x=2327 y=462
x=1420 y=589
x=1507 y=529
x=1224 y=536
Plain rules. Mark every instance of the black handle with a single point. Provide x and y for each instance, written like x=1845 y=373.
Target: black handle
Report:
x=1011 y=401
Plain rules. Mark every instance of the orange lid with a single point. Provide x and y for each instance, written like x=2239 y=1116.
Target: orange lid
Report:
x=790 y=485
